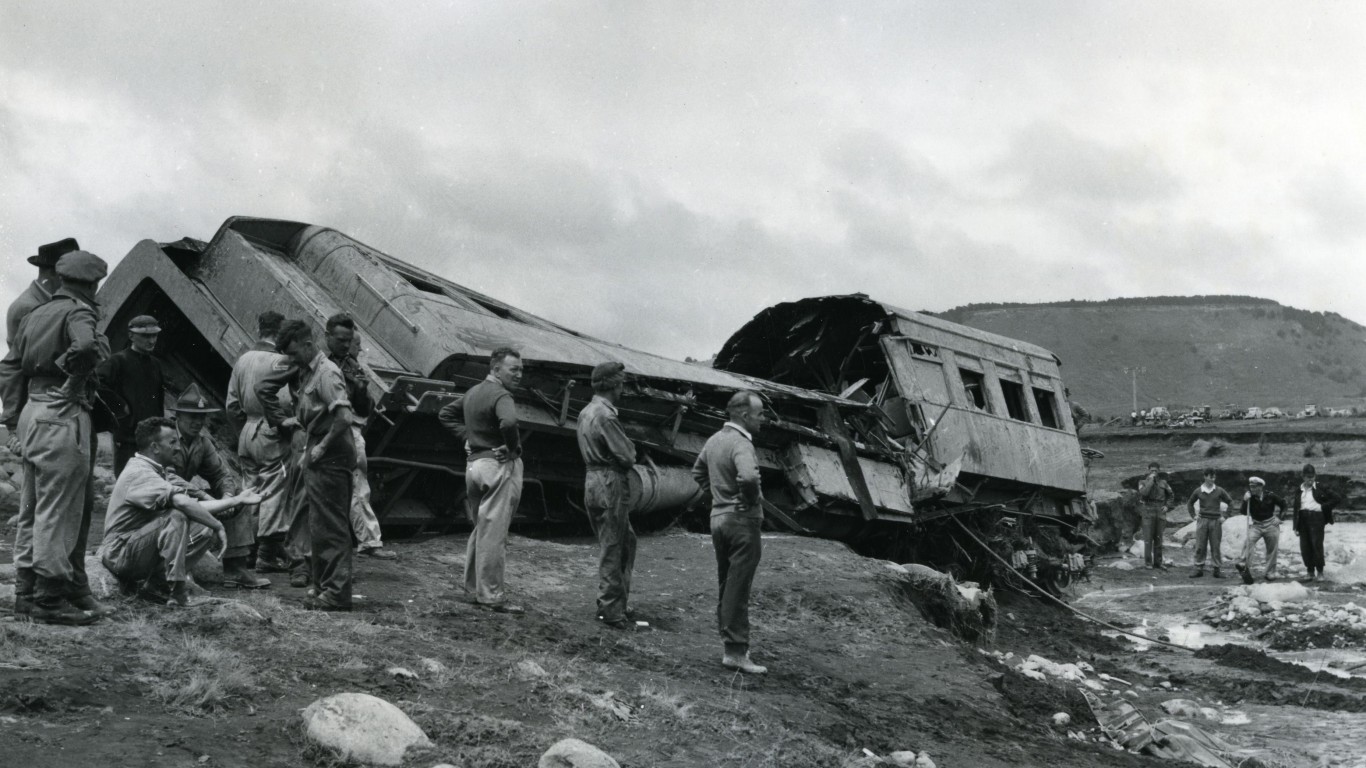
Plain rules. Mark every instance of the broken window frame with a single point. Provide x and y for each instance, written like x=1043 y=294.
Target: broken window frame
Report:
x=975 y=394
x=1013 y=395
x=1046 y=402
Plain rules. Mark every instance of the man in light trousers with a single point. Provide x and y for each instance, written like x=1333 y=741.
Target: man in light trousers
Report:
x=1264 y=510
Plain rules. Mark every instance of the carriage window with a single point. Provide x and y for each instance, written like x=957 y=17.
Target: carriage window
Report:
x=1047 y=403
x=1015 y=400
x=975 y=388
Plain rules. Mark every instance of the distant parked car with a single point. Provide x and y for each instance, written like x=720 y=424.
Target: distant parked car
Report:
x=1338 y=413
x=1252 y=413
x=1309 y=412
x=1273 y=413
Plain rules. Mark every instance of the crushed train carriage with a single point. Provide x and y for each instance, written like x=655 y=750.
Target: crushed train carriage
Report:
x=947 y=415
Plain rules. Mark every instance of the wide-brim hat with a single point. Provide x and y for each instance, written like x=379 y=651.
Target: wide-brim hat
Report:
x=47 y=255
x=192 y=401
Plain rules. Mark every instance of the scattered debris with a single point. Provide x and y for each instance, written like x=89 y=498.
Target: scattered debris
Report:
x=963 y=608
x=358 y=726
x=402 y=672
x=1282 y=616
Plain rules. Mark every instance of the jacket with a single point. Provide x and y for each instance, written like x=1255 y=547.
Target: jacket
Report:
x=1326 y=498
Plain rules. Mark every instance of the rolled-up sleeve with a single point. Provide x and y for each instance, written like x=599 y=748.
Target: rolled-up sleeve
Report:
x=331 y=390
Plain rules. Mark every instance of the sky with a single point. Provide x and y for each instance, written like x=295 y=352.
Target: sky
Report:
x=655 y=174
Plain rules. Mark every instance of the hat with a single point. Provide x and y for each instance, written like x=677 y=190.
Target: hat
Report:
x=611 y=372
x=192 y=401
x=82 y=266
x=1255 y=481
x=143 y=324
x=48 y=254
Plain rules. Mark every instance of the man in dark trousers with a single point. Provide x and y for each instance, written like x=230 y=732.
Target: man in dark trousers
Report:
x=1313 y=509
x=1209 y=523
x=608 y=455
x=39 y=291
x=323 y=414
x=486 y=419
x=196 y=455
x=728 y=467
x=45 y=386
x=1264 y=510
x=133 y=377
x=1155 y=497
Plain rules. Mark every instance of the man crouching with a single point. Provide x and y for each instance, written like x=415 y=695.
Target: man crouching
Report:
x=153 y=530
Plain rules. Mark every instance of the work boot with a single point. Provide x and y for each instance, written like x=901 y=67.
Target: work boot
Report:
x=87 y=602
x=237 y=575
x=1244 y=572
x=742 y=664
x=379 y=553
x=50 y=605
x=1217 y=574
x=24 y=581
x=299 y=577
x=1198 y=573
x=179 y=596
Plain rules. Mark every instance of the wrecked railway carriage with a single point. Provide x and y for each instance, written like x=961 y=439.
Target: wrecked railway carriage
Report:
x=942 y=416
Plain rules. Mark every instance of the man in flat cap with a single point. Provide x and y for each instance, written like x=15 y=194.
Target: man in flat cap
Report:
x=195 y=455
x=1264 y=510
x=40 y=290
x=44 y=384
x=608 y=455
x=132 y=377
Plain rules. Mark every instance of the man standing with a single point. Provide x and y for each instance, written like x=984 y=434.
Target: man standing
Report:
x=1313 y=509
x=608 y=454
x=196 y=455
x=324 y=415
x=154 y=529
x=39 y=291
x=729 y=467
x=1264 y=510
x=254 y=408
x=133 y=376
x=1209 y=526
x=1155 y=497
x=343 y=348
x=44 y=382
x=486 y=419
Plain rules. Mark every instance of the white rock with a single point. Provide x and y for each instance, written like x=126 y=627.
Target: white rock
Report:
x=529 y=669
x=1245 y=605
x=1181 y=707
x=102 y=583
x=903 y=757
x=1062 y=719
x=1279 y=591
x=362 y=727
x=433 y=666
x=923 y=761
x=7 y=596
x=572 y=753
x=896 y=567
x=401 y=672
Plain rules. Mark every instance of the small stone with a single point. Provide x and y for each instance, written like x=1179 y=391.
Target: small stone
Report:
x=529 y=669
x=572 y=753
x=432 y=666
x=1166 y=684
x=923 y=761
x=904 y=758
x=1062 y=719
x=362 y=727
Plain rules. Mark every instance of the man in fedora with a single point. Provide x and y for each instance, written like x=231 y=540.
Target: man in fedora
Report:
x=132 y=378
x=195 y=455
x=39 y=291
x=44 y=383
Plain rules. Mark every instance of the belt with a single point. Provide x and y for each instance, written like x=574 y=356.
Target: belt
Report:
x=42 y=382
x=606 y=468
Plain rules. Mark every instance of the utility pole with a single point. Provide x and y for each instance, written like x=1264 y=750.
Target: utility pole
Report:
x=1133 y=372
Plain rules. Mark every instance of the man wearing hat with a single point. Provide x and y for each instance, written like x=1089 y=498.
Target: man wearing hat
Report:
x=40 y=290
x=1155 y=499
x=1311 y=509
x=1264 y=510
x=44 y=384
x=608 y=454
x=195 y=455
x=132 y=377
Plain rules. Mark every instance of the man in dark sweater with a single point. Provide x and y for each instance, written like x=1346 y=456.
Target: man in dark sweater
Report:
x=133 y=377
x=486 y=419
x=1209 y=524
x=1313 y=507
x=1264 y=510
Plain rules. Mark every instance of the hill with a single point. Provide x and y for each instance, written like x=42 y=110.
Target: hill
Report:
x=1197 y=350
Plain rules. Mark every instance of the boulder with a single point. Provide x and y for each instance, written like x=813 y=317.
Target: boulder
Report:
x=572 y=753
x=102 y=582
x=361 y=727
x=1279 y=592
x=6 y=597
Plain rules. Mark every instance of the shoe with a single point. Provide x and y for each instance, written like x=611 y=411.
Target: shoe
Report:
x=630 y=614
x=1217 y=574
x=298 y=579
x=1197 y=574
x=179 y=596
x=23 y=605
x=1244 y=572
x=154 y=590
x=61 y=612
x=379 y=553
x=742 y=664
x=616 y=623
x=503 y=608
x=89 y=603
x=320 y=603
x=272 y=565
x=244 y=578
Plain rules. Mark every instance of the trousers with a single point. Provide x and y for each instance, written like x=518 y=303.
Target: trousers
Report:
x=264 y=461
x=364 y=524
x=1311 y=546
x=493 y=490
x=1268 y=532
x=607 y=498
x=327 y=487
x=1151 y=530
x=55 y=501
x=739 y=547
x=1209 y=534
x=166 y=547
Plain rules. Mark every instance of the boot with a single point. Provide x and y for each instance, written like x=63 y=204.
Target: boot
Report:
x=270 y=557
x=24 y=582
x=236 y=574
x=50 y=605
x=1198 y=573
x=179 y=596
x=742 y=663
x=87 y=602
x=1217 y=574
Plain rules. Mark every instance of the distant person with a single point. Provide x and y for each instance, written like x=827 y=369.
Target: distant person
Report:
x=1264 y=510
x=1209 y=524
x=1133 y=418
x=1312 y=509
x=134 y=379
x=486 y=419
x=40 y=290
x=1155 y=498
x=728 y=467
x=608 y=455
x=154 y=530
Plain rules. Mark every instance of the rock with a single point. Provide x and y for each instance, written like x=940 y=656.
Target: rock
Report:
x=1062 y=719
x=434 y=667
x=207 y=570
x=905 y=758
x=529 y=669
x=6 y=571
x=362 y=727
x=1181 y=708
x=7 y=490
x=102 y=583
x=923 y=761
x=1279 y=591
x=572 y=753
x=6 y=597
x=401 y=672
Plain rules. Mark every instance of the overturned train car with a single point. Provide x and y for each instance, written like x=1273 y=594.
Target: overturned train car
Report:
x=425 y=340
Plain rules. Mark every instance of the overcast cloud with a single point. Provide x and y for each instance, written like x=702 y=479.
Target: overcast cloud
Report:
x=655 y=174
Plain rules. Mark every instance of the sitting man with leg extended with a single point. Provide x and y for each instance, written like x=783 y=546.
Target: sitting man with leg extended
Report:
x=154 y=530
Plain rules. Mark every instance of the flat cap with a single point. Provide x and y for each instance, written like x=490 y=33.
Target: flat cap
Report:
x=48 y=254
x=83 y=266
x=1255 y=481
x=610 y=371
x=192 y=401
x=144 y=324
